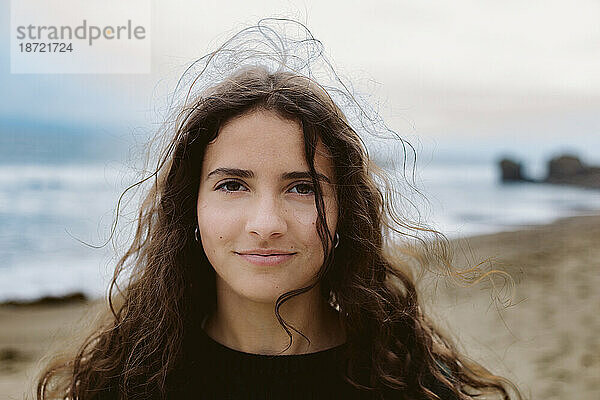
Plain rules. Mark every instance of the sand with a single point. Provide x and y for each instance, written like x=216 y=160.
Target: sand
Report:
x=546 y=341
x=28 y=335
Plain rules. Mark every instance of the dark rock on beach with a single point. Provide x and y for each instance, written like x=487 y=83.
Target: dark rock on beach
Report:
x=511 y=171
x=565 y=169
x=76 y=297
x=568 y=169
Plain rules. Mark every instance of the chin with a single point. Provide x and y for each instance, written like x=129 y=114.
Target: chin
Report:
x=261 y=297
x=261 y=290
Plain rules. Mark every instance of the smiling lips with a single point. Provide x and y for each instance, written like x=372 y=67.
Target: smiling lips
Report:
x=265 y=257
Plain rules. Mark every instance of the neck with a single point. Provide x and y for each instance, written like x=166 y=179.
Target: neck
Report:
x=252 y=327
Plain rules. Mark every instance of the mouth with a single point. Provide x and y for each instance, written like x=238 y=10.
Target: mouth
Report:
x=266 y=259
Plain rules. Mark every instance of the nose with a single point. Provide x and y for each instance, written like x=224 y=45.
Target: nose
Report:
x=266 y=218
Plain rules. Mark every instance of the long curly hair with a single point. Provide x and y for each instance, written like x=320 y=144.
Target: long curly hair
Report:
x=392 y=346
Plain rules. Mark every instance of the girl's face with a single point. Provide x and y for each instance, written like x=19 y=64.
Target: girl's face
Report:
x=256 y=207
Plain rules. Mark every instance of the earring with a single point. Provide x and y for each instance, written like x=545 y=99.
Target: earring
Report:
x=336 y=242
x=197 y=234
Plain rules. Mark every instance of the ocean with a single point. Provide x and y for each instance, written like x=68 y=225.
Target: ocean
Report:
x=58 y=190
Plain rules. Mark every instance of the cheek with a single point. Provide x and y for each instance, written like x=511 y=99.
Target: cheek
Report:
x=305 y=230
x=306 y=219
x=217 y=227
x=332 y=213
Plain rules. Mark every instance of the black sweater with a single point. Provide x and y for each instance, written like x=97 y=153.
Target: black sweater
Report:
x=233 y=374
x=224 y=373
x=214 y=371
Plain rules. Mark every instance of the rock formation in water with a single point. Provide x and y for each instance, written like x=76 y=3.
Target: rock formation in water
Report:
x=564 y=170
x=511 y=171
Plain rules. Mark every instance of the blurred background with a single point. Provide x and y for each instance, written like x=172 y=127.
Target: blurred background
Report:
x=468 y=83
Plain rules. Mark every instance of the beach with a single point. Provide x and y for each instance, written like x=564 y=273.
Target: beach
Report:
x=544 y=339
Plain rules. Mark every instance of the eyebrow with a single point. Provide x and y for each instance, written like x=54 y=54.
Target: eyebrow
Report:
x=245 y=173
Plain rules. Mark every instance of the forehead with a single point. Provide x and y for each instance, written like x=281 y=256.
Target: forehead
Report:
x=263 y=140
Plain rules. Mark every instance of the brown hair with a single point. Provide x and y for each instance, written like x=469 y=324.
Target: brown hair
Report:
x=392 y=346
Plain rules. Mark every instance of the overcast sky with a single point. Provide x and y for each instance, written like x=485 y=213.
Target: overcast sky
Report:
x=444 y=69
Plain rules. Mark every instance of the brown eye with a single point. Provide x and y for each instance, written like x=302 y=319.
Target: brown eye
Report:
x=230 y=186
x=304 y=189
